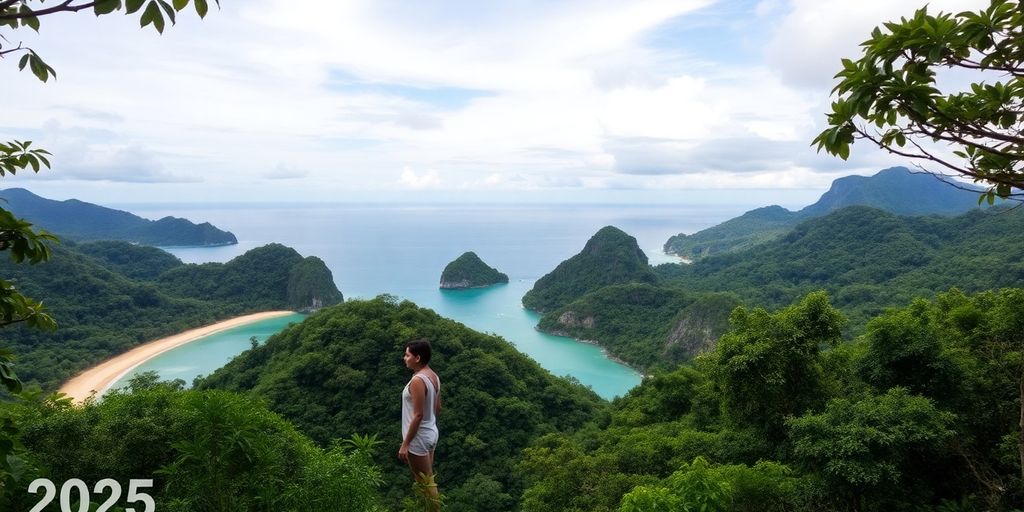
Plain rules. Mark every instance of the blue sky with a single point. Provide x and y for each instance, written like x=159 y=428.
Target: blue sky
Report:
x=512 y=101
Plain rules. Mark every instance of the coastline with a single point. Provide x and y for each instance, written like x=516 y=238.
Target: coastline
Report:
x=99 y=378
x=604 y=350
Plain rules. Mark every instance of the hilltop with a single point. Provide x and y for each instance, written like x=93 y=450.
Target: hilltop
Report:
x=340 y=372
x=82 y=221
x=896 y=190
x=609 y=257
x=469 y=271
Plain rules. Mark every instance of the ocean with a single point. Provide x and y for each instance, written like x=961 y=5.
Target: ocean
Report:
x=401 y=250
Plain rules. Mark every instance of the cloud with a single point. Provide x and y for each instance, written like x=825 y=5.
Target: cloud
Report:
x=285 y=172
x=409 y=179
x=502 y=96
x=813 y=36
x=130 y=164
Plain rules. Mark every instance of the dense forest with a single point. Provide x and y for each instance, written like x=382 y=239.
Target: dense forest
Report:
x=921 y=412
x=208 y=451
x=469 y=271
x=866 y=259
x=111 y=296
x=82 y=221
x=340 y=372
x=896 y=190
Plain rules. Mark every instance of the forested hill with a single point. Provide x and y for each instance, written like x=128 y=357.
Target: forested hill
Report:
x=610 y=257
x=340 y=372
x=108 y=297
x=921 y=413
x=897 y=190
x=469 y=271
x=78 y=220
x=867 y=260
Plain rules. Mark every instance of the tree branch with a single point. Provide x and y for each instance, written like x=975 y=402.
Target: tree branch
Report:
x=12 y=50
x=925 y=155
x=64 y=7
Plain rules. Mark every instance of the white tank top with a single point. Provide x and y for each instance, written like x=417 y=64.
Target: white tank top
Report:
x=428 y=423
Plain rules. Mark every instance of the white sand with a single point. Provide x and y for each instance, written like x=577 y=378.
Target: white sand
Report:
x=102 y=376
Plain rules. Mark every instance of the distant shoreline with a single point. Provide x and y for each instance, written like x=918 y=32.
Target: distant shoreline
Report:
x=99 y=378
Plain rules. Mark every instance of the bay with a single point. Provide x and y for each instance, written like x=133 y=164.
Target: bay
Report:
x=401 y=250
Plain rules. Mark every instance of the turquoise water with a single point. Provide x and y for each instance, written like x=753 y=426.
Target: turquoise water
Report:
x=401 y=250
x=203 y=356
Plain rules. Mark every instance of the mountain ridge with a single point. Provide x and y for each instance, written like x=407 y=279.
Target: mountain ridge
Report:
x=896 y=190
x=83 y=221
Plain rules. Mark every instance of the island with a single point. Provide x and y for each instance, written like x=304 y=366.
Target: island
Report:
x=469 y=271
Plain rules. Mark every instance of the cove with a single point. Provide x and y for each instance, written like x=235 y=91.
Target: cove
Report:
x=401 y=250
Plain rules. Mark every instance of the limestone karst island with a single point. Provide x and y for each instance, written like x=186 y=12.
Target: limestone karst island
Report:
x=469 y=271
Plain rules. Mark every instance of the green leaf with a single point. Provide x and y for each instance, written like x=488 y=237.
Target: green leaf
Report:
x=180 y=4
x=30 y=21
x=151 y=15
x=168 y=9
x=201 y=8
x=23 y=62
x=131 y=6
x=102 y=7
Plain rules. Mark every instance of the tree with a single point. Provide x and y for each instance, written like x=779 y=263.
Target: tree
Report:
x=890 y=97
x=769 y=364
x=865 y=447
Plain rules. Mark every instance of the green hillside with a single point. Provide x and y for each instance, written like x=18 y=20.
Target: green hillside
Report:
x=747 y=230
x=106 y=300
x=897 y=190
x=286 y=280
x=82 y=221
x=469 y=271
x=645 y=325
x=340 y=372
x=866 y=259
x=919 y=413
x=609 y=257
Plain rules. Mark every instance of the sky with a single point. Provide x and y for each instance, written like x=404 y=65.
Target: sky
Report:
x=598 y=101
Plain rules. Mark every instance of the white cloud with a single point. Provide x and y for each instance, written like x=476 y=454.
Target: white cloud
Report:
x=409 y=179
x=815 y=35
x=568 y=95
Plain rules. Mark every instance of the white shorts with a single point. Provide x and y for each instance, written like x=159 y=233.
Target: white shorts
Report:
x=423 y=443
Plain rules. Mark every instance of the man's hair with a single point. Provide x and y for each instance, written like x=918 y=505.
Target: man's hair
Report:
x=420 y=347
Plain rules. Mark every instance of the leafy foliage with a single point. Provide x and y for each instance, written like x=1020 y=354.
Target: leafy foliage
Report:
x=207 y=451
x=919 y=413
x=17 y=14
x=890 y=96
x=867 y=446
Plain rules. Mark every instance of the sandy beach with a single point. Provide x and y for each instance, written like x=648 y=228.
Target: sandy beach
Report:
x=102 y=376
